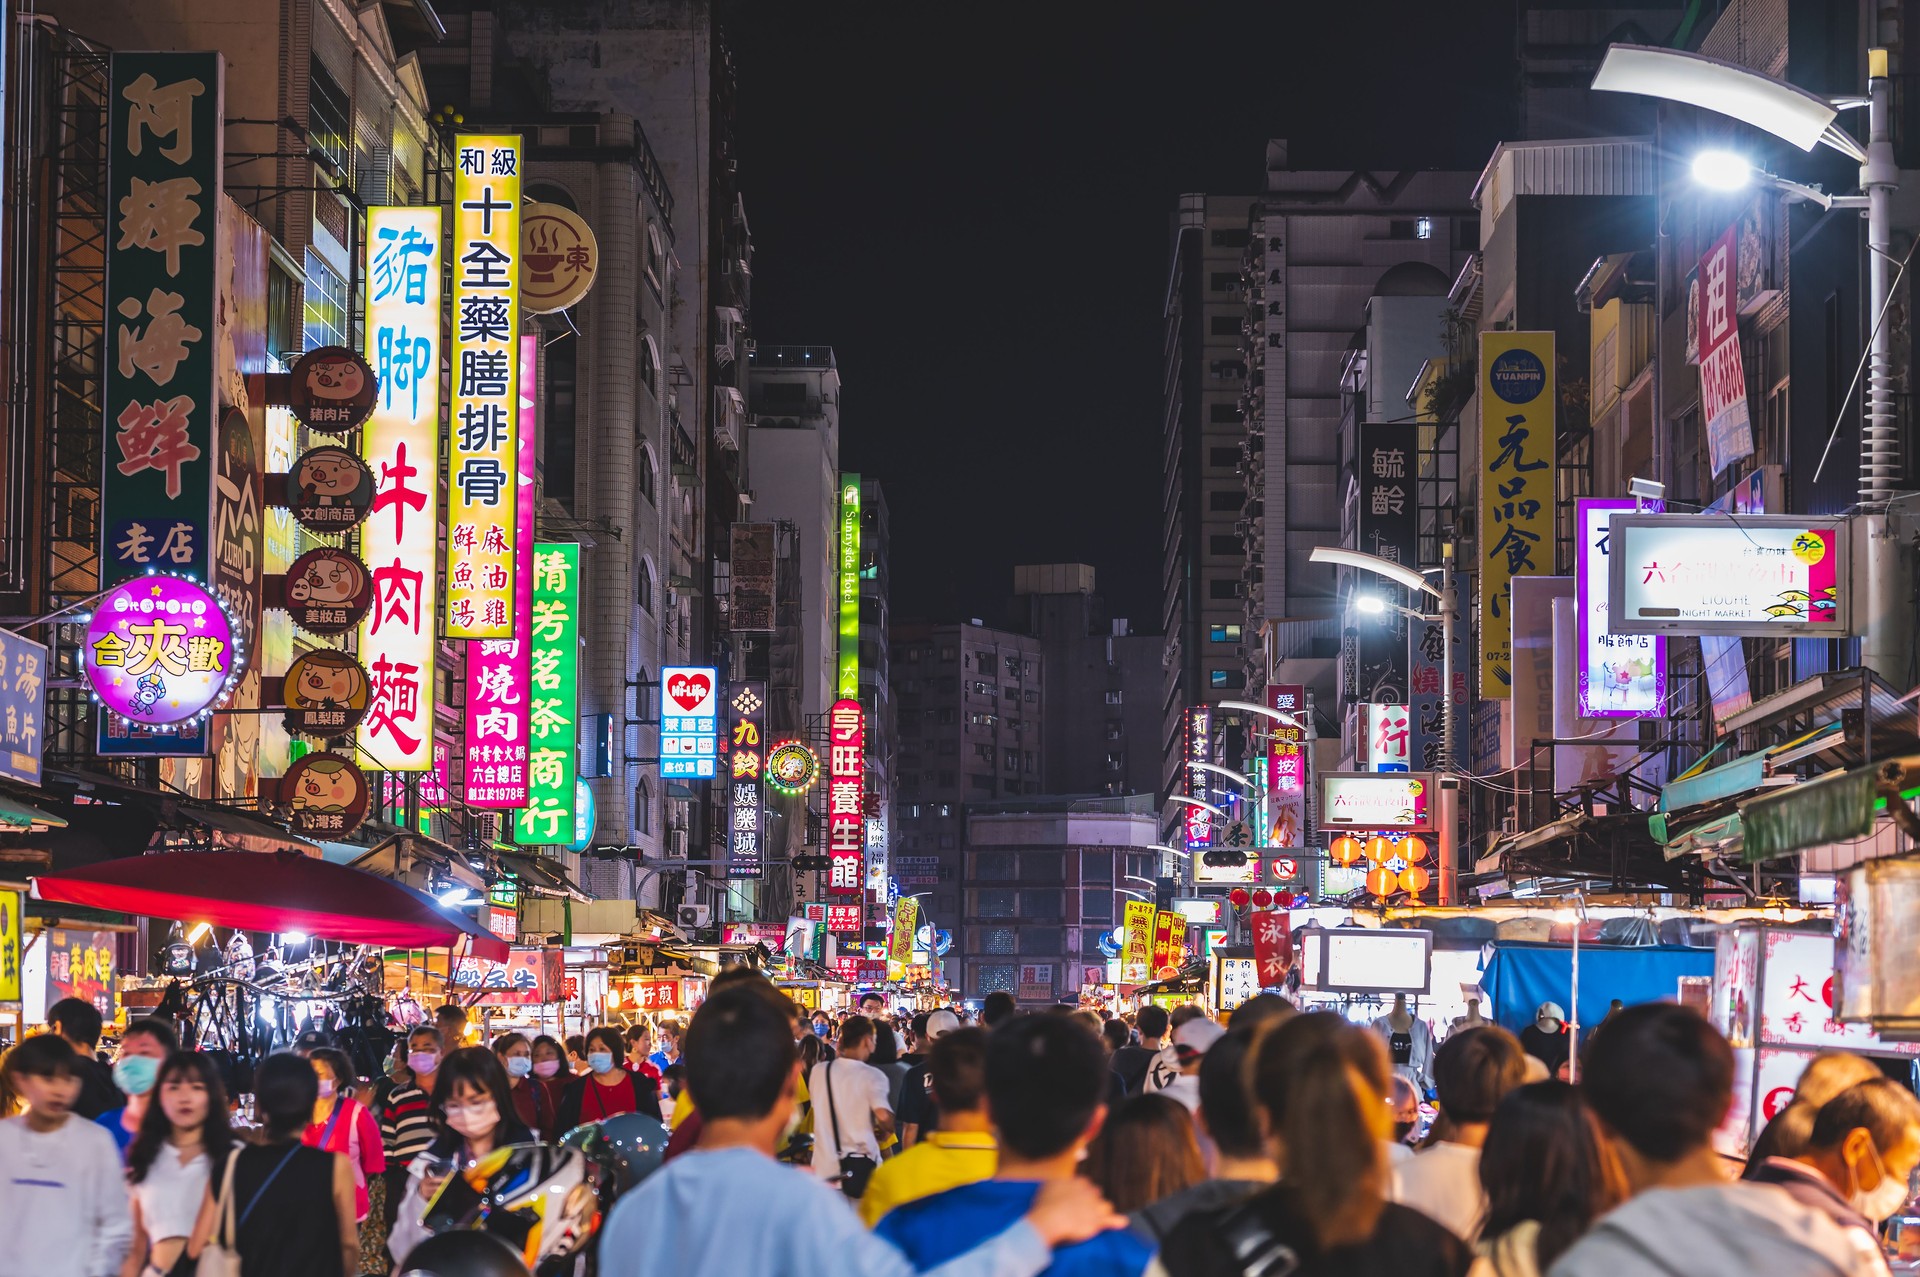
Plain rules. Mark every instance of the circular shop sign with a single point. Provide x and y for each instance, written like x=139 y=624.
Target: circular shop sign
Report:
x=160 y=649
x=330 y=489
x=333 y=389
x=558 y=257
x=792 y=766
x=325 y=794
x=328 y=590
x=325 y=693
x=1517 y=376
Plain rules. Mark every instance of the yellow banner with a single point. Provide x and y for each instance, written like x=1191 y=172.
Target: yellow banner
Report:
x=1177 y=940
x=900 y=948
x=1139 y=937
x=1518 y=397
x=10 y=922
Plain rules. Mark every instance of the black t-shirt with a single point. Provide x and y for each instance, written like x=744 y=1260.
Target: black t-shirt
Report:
x=1131 y=1062
x=98 y=1094
x=916 y=1100
x=1405 y=1243
x=1549 y=1048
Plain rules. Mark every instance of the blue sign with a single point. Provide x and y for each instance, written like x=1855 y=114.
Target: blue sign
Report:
x=23 y=675
x=583 y=816
x=117 y=736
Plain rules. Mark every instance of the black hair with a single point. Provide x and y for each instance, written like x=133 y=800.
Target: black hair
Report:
x=1116 y=1033
x=450 y=1011
x=1185 y=1013
x=75 y=1018
x=854 y=1030
x=479 y=1068
x=1260 y=1009
x=1474 y=1069
x=559 y=1047
x=918 y=1024
x=502 y=1041
x=1322 y=1082
x=423 y=1030
x=1883 y=1108
x=1046 y=1077
x=957 y=1070
x=1225 y=1100
x=608 y=1036
x=637 y=1030
x=285 y=1089
x=43 y=1055
x=1546 y=1160
x=161 y=1031
x=998 y=1008
x=671 y=1025
x=216 y=1134
x=1660 y=1077
x=886 y=1047
x=1151 y=1021
x=577 y=1043
x=740 y=1054
x=335 y=1059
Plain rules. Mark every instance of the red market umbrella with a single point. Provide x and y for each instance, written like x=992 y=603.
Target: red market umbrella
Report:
x=272 y=891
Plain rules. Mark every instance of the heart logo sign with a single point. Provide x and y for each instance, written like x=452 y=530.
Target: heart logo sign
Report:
x=689 y=690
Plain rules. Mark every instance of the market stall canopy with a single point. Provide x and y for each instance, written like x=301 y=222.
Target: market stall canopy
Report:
x=18 y=815
x=282 y=891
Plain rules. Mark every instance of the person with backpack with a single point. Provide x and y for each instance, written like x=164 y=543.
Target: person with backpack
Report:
x=851 y=1111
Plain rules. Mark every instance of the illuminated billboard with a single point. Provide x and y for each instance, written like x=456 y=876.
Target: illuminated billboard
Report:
x=1756 y=575
x=1387 y=801
x=847 y=562
x=1198 y=821
x=689 y=721
x=846 y=798
x=553 y=699
x=1620 y=675
x=1518 y=401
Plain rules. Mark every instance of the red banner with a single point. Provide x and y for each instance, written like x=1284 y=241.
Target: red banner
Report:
x=1272 y=945
x=1162 y=939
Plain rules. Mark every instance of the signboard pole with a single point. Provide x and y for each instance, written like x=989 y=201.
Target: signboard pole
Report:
x=1447 y=860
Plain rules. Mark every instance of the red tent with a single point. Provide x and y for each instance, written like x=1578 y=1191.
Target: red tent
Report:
x=272 y=891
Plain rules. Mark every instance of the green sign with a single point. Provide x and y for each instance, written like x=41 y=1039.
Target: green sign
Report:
x=164 y=115
x=849 y=571
x=553 y=707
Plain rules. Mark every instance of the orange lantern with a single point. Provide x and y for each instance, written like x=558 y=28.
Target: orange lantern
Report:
x=1380 y=849
x=1414 y=879
x=1382 y=881
x=1346 y=849
x=1413 y=849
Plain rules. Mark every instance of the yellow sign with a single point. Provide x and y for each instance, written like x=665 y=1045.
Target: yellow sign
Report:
x=10 y=923
x=483 y=426
x=1139 y=942
x=906 y=911
x=1177 y=940
x=1517 y=450
x=559 y=258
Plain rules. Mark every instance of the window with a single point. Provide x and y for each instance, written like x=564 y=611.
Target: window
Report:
x=1013 y=693
x=1224 y=544
x=647 y=474
x=1405 y=228
x=1012 y=664
x=1223 y=588
x=1096 y=866
x=980 y=784
x=995 y=977
x=1224 y=414
x=656 y=255
x=329 y=119
x=1228 y=457
x=1231 y=239
x=280 y=334
x=1030 y=695
x=643 y=806
x=1224 y=326
x=996 y=940
x=980 y=687
x=1226 y=678
x=649 y=366
x=326 y=305
x=993 y=902
x=948 y=653
x=1227 y=369
x=1012 y=760
x=1097 y=906
x=1116 y=696
x=1224 y=281
x=1225 y=500
x=946 y=780
x=643 y=587
x=1423 y=228
x=1043 y=866
x=1042 y=904
x=993 y=866
x=1035 y=940
x=984 y=753
x=1223 y=634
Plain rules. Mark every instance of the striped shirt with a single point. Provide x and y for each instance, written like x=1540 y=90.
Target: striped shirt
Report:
x=406 y=1124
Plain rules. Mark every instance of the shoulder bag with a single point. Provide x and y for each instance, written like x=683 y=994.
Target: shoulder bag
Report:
x=855 y=1168
x=221 y=1255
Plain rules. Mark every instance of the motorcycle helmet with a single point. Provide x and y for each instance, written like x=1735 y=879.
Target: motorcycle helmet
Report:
x=462 y=1254
x=630 y=1145
x=544 y=1202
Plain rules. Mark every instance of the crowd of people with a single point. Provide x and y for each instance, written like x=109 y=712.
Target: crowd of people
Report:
x=1063 y=1142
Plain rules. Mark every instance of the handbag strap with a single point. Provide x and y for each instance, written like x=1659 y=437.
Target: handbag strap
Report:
x=326 y=1132
x=267 y=1183
x=225 y=1228
x=1256 y=1249
x=833 y=1114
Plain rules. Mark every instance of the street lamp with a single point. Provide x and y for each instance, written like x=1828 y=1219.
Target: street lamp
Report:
x=1226 y=773
x=1248 y=707
x=1195 y=802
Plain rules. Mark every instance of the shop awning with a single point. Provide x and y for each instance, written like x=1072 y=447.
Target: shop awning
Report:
x=19 y=815
x=284 y=891
x=1836 y=808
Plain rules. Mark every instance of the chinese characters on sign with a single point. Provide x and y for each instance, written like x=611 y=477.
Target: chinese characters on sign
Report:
x=689 y=721
x=849 y=576
x=746 y=761
x=1386 y=521
x=843 y=919
x=1286 y=767
x=1518 y=396
x=164 y=185
x=561 y=258
x=1723 y=380
x=906 y=912
x=553 y=697
x=751 y=609
x=1426 y=665
x=499 y=697
x=1762 y=575
x=846 y=800
x=1199 y=821
x=1621 y=675
x=484 y=411
x=1385 y=737
x=23 y=675
x=11 y=918
x=1389 y=801
x=400 y=444
x=1272 y=947
x=80 y=965
x=160 y=649
x=1139 y=922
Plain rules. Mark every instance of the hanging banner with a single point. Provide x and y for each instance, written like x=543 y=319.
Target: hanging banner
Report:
x=746 y=760
x=400 y=443
x=1287 y=767
x=561 y=258
x=498 y=692
x=1135 y=957
x=23 y=698
x=483 y=419
x=330 y=489
x=325 y=796
x=80 y=965
x=1518 y=398
x=12 y=920
x=1620 y=675
x=1427 y=673
x=164 y=166
x=1272 y=946
x=332 y=389
x=553 y=709
x=849 y=578
x=1723 y=379
x=1198 y=749
x=1386 y=525
x=325 y=692
x=900 y=941
x=1162 y=938
x=328 y=590
x=846 y=798
x=160 y=649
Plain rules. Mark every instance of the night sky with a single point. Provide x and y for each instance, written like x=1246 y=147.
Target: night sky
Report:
x=971 y=204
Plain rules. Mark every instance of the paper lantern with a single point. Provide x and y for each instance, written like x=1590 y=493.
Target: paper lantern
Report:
x=1380 y=849
x=1239 y=897
x=1346 y=849
x=1413 y=849
x=1382 y=881
x=1262 y=897
x=1415 y=879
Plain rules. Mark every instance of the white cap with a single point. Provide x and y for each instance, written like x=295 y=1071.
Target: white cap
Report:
x=941 y=1022
x=1550 y=1018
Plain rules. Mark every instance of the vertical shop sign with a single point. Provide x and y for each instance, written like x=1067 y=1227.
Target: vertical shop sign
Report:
x=746 y=765
x=750 y=609
x=906 y=912
x=1723 y=379
x=1272 y=946
x=11 y=919
x=689 y=721
x=1199 y=749
x=1286 y=767
x=1518 y=399
x=485 y=409
x=23 y=697
x=849 y=576
x=164 y=165
x=80 y=965
x=1620 y=675
x=1139 y=919
x=846 y=798
x=1427 y=660
x=499 y=696
x=400 y=444
x=553 y=697
x=1386 y=526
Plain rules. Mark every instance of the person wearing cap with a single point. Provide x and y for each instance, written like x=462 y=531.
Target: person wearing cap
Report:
x=1546 y=1039
x=916 y=1113
x=1190 y=1042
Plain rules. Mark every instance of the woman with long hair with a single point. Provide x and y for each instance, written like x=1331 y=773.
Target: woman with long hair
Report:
x=607 y=1087
x=1146 y=1151
x=1322 y=1085
x=473 y=1108
x=532 y=1103
x=183 y=1134
x=1549 y=1172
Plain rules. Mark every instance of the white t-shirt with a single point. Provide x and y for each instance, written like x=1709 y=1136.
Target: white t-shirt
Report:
x=859 y=1091
x=1443 y=1183
x=63 y=1201
x=170 y=1194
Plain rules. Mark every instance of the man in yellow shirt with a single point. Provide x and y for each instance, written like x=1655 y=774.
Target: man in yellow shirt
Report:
x=962 y=1151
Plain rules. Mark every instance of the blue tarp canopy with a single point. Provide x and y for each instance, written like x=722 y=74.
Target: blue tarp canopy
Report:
x=1520 y=976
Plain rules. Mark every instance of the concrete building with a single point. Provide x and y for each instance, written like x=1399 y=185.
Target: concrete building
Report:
x=876 y=677
x=1044 y=879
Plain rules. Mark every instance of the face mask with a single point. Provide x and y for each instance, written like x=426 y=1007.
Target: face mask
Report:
x=819 y=1030
x=1884 y=1201
x=519 y=1065
x=136 y=1074
x=473 y=1119
x=600 y=1061
x=326 y=1088
x=423 y=1061
x=546 y=1068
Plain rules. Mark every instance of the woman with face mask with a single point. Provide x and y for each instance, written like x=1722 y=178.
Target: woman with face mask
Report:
x=606 y=1088
x=183 y=1132
x=532 y=1104
x=474 y=1104
x=341 y=1124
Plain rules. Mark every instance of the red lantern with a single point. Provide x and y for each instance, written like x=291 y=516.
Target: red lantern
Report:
x=1415 y=879
x=1413 y=849
x=1382 y=881
x=1262 y=897
x=1239 y=897
x=1380 y=849
x=1346 y=849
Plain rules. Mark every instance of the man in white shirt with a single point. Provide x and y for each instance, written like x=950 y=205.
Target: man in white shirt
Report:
x=1472 y=1072
x=851 y=1108
x=62 y=1195
x=1190 y=1042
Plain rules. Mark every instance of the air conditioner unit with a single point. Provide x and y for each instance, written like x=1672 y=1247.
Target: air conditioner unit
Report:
x=694 y=915
x=677 y=843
